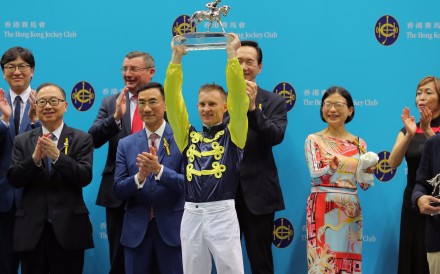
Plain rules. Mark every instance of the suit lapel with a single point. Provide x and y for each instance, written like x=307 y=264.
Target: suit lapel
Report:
x=161 y=150
x=25 y=120
x=261 y=99
x=126 y=119
x=11 y=120
x=65 y=139
x=142 y=142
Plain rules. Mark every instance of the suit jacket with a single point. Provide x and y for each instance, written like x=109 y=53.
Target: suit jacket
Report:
x=103 y=130
x=429 y=167
x=7 y=134
x=55 y=195
x=258 y=172
x=166 y=196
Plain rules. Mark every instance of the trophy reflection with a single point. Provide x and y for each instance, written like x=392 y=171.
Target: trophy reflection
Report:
x=206 y=40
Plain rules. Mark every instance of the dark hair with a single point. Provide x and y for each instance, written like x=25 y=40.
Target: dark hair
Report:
x=150 y=86
x=344 y=93
x=249 y=43
x=212 y=87
x=429 y=79
x=148 y=59
x=47 y=84
x=15 y=52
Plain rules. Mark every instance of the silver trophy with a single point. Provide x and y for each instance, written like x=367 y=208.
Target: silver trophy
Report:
x=206 y=40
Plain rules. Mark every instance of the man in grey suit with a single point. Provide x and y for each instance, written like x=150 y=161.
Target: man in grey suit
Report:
x=17 y=115
x=114 y=122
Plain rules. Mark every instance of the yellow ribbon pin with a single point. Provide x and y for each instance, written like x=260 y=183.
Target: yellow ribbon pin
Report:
x=166 y=146
x=66 y=146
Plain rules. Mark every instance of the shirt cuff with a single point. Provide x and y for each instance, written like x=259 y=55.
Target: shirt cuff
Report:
x=139 y=185
x=157 y=177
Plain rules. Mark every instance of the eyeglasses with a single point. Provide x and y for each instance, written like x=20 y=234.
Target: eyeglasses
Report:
x=328 y=105
x=52 y=101
x=151 y=103
x=132 y=69
x=21 y=68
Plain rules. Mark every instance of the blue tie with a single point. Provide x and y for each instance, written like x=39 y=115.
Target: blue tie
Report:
x=49 y=160
x=17 y=112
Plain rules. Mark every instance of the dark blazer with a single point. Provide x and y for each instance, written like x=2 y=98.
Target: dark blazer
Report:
x=429 y=167
x=258 y=172
x=55 y=195
x=166 y=196
x=103 y=130
x=7 y=134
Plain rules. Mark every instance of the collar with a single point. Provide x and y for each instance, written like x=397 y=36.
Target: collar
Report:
x=213 y=129
x=56 y=132
x=24 y=95
x=159 y=131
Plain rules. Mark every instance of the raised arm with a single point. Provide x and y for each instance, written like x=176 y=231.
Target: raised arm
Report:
x=177 y=113
x=238 y=101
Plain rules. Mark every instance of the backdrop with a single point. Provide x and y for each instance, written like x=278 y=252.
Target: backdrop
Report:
x=378 y=50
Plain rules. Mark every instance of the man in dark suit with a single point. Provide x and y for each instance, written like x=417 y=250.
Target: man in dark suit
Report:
x=52 y=163
x=425 y=198
x=259 y=193
x=149 y=178
x=17 y=115
x=114 y=122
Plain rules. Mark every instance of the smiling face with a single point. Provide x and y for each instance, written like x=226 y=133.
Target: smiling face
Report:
x=151 y=107
x=334 y=110
x=51 y=116
x=248 y=59
x=18 y=80
x=212 y=106
x=136 y=73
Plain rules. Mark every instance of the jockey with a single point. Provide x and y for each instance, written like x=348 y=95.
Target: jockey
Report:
x=212 y=6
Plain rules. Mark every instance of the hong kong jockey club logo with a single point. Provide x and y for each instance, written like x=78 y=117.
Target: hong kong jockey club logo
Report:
x=387 y=30
x=83 y=96
x=288 y=92
x=384 y=172
x=182 y=25
x=283 y=233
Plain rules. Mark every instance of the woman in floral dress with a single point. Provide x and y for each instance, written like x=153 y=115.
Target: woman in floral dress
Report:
x=334 y=218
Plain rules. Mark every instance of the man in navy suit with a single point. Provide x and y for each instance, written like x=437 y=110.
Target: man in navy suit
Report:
x=114 y=122
x=259 y=193
x=148 y=177
x=425 y=197
x=52 y=164
x=17 y=115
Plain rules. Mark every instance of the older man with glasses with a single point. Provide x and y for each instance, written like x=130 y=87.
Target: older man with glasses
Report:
x=17 y=115
x=117 y=118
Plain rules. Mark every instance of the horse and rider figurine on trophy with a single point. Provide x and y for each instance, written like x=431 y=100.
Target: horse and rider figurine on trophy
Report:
x=214 y=14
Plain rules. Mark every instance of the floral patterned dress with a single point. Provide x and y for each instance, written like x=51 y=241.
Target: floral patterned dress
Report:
x=334 y=218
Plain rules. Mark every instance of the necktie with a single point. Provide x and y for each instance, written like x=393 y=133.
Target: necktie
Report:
x=153 y=137
x=17 y=112
x=49 y=160
x=136 y=124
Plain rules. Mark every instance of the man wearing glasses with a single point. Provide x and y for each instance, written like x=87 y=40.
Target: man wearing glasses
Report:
x=52 y=164
x=149 y=177
x=17 y=115
x=116 y=119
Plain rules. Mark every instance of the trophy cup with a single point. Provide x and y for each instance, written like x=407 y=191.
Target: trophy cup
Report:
x=206 y=40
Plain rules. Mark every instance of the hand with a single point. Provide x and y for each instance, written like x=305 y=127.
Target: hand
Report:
x=121 y=105
x=148 y=163
x=177 y=51
x=409 y=122
x=48 y=147
x=5 y=108
x=233 y=43
x=32 y=113
x=425 y=118
x=39 y=152
x=424 y=203
x=251 y=90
